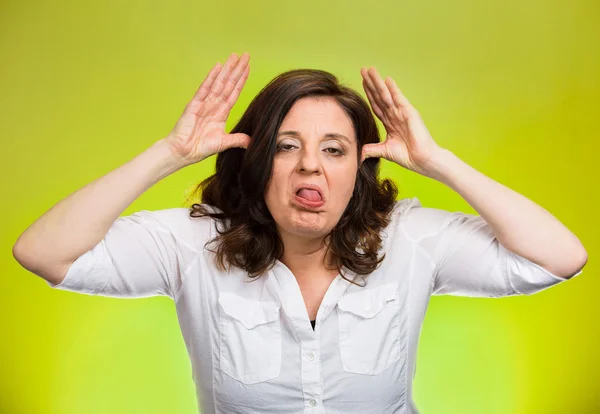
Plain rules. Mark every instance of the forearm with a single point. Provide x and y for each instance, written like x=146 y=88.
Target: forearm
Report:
x=78 y=222
x=519 y=224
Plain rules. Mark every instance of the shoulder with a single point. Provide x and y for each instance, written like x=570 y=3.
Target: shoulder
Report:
x=418 y=222
x=178 y=223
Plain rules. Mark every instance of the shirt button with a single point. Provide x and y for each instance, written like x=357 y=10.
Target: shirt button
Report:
x=313 y=402
x=311 y=356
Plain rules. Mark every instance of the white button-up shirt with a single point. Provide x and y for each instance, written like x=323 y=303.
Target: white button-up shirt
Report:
x=251 y=344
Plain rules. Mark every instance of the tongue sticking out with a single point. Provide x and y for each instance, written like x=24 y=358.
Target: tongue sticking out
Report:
x=310 y=195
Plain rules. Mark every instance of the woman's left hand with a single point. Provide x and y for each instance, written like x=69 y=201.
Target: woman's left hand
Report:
x=408 y=142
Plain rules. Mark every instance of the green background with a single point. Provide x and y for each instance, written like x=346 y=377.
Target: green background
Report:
x=510 y=87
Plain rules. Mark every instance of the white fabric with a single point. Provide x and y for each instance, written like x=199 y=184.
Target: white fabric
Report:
x=251 y=345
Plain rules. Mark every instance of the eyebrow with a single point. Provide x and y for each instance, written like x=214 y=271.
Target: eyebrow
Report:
x=328 y=135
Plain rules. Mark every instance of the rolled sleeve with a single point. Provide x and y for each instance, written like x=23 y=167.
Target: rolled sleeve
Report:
x=89 y=273
x=469 y=260
x=143 y=254
x=527 y=277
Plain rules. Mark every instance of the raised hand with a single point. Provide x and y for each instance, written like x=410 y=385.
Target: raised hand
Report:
x=408 y=142
x=200 y=131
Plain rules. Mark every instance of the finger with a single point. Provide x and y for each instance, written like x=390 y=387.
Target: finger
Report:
x=236 y=73
x=373 y=151
x=238 y=140
x=376 y=109
x=385 y=97
x=219 y=83
x=373 y=90
x=232 y=98
x=397 y=95
x=369 y=91
x=206 y=84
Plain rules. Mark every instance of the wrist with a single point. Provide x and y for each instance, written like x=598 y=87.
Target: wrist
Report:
x=168 y=160
x=441 y=166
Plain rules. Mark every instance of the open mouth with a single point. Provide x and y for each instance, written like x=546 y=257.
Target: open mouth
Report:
x=309 y=198
x=309 y=195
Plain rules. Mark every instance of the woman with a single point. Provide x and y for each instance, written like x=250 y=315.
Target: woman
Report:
x=296 y=209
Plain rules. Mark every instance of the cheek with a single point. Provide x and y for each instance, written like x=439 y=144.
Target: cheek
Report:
x=342 y=180
x=276 y=186
x=346 y=187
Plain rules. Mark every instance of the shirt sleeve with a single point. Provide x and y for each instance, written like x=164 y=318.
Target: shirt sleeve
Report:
x=468 y=260
x=144 y=254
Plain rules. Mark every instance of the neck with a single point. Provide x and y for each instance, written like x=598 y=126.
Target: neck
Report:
x=304 y=256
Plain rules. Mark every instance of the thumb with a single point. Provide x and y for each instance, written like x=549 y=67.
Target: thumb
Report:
x=239 y=140
x=373 y=151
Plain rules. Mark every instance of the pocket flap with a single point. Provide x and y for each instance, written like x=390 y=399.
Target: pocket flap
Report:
x=249 y=312
x=369 y=302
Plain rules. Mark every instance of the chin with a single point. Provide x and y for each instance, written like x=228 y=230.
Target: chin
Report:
x=308 y=223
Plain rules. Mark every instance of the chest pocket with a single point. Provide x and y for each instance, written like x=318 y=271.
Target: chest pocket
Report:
x=250 y=338
x=369 y=330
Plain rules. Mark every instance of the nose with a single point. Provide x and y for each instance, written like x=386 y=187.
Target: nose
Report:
x=309 y=162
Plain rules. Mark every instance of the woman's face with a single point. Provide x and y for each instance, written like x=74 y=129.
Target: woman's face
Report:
x=316 y=147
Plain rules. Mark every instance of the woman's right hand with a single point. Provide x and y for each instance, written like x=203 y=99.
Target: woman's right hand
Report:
x=200 y=131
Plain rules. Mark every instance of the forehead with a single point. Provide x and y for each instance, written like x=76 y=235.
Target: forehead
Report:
x=321 y=115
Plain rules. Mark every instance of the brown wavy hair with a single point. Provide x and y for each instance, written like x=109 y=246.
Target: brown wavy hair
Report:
x=248 y=237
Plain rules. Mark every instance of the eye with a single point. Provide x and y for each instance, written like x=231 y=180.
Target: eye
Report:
x=285 y=147
x=335 y=151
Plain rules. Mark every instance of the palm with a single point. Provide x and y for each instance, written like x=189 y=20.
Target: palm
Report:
x=408 y=142
x=406 y=138
x=200 y=131
x=199 y=134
